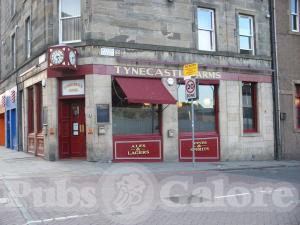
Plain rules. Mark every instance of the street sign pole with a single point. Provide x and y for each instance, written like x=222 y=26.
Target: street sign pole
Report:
x=191 y=91
x=193 y=133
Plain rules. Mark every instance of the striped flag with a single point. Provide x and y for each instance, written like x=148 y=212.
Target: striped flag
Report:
x=3 y=101
x=13 y=96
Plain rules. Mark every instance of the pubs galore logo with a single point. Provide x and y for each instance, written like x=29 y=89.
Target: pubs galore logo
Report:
x=127 y=193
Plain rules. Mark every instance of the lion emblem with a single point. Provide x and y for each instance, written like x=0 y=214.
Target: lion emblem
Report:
x=130 y=190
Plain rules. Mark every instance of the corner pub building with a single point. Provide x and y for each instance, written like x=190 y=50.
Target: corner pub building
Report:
x=104 y=81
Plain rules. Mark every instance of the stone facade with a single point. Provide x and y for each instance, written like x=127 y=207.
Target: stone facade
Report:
x=152 y=34
x=288 y=51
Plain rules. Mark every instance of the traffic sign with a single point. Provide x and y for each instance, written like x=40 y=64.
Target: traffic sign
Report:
x=191 y=89
x=190 y=70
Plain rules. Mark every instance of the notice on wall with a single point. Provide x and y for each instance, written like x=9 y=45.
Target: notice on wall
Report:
x=73 y=87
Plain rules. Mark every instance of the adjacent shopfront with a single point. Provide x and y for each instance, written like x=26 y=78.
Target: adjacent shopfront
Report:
x=34 y=119
x=11 y=118
x=2 y=120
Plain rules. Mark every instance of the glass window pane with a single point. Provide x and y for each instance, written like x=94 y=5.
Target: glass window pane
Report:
x=204 y=110
x=245 y=42
x=294 y=22
x=294 y=6
x=71 y=29
x=248 y=108
x=205 y=19
x=204 y=40
x=245 y=26
x=70 y=8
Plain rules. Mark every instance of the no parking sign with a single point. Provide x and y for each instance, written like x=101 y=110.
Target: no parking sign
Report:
x=191 y=92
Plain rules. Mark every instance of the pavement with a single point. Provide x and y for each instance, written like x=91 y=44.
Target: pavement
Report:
x=74 y=192
x=14 y=164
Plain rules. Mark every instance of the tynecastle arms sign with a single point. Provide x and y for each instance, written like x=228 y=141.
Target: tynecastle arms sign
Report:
x=159 y=72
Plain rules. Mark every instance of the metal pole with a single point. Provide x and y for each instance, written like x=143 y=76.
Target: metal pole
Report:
x=193 y=133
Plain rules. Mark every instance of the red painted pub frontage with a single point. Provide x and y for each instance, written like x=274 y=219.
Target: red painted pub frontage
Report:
x=136 y=111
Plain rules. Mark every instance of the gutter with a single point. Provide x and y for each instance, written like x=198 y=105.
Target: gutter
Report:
x=275 y=86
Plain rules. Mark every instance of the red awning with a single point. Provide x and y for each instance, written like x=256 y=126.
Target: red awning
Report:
x=142 y=90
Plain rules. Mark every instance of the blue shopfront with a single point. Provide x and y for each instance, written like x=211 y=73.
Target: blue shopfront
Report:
x=11 y=118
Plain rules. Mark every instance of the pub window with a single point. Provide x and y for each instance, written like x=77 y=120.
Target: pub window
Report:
x=294 y=15
x=205 y=109
x=297 y=104
x=249 y=107
x=70 y=21
x=28 y=37
x=246 y=34
x=103 y=113
x=13 y=50
x=206 y=29
x=39 y=107
x=130 y=118
x=30 y=110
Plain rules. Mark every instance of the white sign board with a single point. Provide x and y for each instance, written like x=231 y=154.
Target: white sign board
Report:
x=190 y=89
x=107 y=51
x=72 y=87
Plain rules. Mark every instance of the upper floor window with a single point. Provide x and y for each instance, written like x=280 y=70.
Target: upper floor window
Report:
x=297 y=104
x=13 y=50
x=28 y=37
x=70 y=21
x=249 y=107
x=206 y=29
x=294 y=15
x=246 y=34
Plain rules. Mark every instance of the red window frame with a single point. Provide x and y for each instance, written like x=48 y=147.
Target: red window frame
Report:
x=254 y=107
x=297 y=105
x=39 y=107
x=30 y=115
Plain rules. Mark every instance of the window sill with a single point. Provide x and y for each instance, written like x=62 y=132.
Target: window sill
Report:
x=214 y=50
x=297 y=33
x=251 y=134
x=70 y=42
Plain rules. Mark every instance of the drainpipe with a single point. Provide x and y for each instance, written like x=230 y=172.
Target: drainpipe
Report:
x=275 y=86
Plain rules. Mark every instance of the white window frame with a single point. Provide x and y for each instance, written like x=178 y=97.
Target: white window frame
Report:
x=28 y=36
x=60 y=24
x=212 y=31
x=14 y=50
x=294 y=15
x=251 y=36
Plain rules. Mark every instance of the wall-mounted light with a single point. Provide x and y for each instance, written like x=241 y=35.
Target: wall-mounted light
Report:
x=44 y=83
x=170 y=81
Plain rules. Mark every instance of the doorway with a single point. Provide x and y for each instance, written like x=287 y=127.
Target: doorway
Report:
x=8 y=140
x=13 y=129
x=72 y=132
